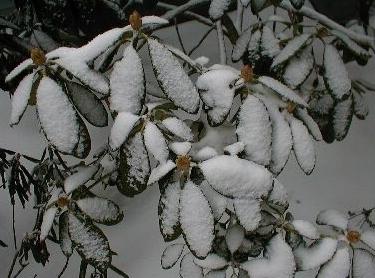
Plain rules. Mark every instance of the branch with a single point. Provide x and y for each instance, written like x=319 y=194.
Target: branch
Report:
x=220 y=38
x=181 y=9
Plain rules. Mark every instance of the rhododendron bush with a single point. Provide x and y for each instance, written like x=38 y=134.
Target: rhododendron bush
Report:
x=212 y=135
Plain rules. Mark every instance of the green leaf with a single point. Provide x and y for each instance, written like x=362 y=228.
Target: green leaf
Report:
x=361 y=109
x=65 y=242
x=171 y=255
x=88 y=104
x=83 y=146
x=342 y=118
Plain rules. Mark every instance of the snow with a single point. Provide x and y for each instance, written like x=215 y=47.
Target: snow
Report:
x=281 y=138
x=205 y=153
x=254 y=46
x=188 y=269
x=338 y=266
x=269 y=44
x=216 y=274
x=368 y=237
x=335 y=74
x=122 y=126
x=303 y=145
x=19 y=69
x=83 y=175
x=57 y=116
x=278 y=261
x=299 y=68
x=234 y=237
x=279 y=194
x=342 y=117
x=218 y=202
x=363 y=264
x=235 y=148
x=171 y=255
x=127 y=83
x=218 y=8
x=282 y=90
x=254 y=130
x=315 y=255
x=180 y=148
x=49 y=214
x=334 y=218
x=306 y=229
x=100 y=210
x=351 y=45
x=212 y=261
x=178 y=128
x=89 y=242
x=361 y=108
x=248 y=213
x=160 y=171
x=291 y=49
x=155 y=142
x=20 y=99
x=172 y=78
x=309 y=122
x=235 y=177
x=197 y=221
x=169 y=210
x=216 y=88
x=241 y=44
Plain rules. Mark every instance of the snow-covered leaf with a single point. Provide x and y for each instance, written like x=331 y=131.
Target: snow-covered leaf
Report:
x=234 y=237
x=299 y=68
x=171 y=255
x=195 y=64
x=127 y=83
x=172 y=78
x=342 y=118
x=235 y=148
x=240 y=47
x=368 y=237
x=336 y=76
x=309 y=122
x=333 y=218
x=218 y=8
x=88 y=105
x=90 y=242
x=49 y=214
x=278 y=195
x=321 y=251
x=20 y=99
x=270 y=46
x=254 y=46
x=205 y=153
x=212 y=261
x=197 y=221
x=291 y=49
x=278 y=261
x=168 y=211
x=134 y=168
x=83 y=175
x=363 y=264
x=258 y=5
x=235 y=177
x=180 y=148
x=306 y=229
x=282 y=90
x=248 y=213
x=188 y=269
x=215 y=274
x=322 y=105
x=20 y=69
x=217 y=88
x=338 y=266
x=297 y=3
x=178 y=128
x=100 y=210
x=254 y=130
x=65 y=242
x=218 y=202
x=57 y=116
x=361 y=109
x=160 y=171
x=303 y=145
x=122 y=126
x=155 y=142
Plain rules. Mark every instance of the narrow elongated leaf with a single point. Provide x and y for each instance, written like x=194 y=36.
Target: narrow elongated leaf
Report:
x=363 y=264
x=161 y=171
x=20 y=69
x=333 y=218
x=254 y=130
x=188 y=269
x=172 y=78
x=122 y=126
x=218 y=8
x=171 y=255
x=127 y=83
x=57 y=116
x=303 y=145
x=270 y=46
x=134 y=170
x=240 y=47
x=88 y=105
x=278 y=195
x=90 y=242
x=20 y=98
x=83 y=175
x=338 y=266
x=218 y=202
x=336 y=76
x=309 y=122
x=361 y=109
x=83 y=147
x=248 y=213
x=168 y=211
x=65 y=242
x=197 y=221
x=155 y=142
x=235 y=177
x=306 y=229
x=178 y=128
x=254 y=46
x=342 y=118
x=49 y=214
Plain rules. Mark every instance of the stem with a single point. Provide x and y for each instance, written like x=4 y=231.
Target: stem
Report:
x=220 y=38
x=239 y=16
x=82 y=269
x=181 y=9
x=14 y=228
x=118 y=271
x=201 y=41
x=179 y=36
x=64 y=268
x=13 y=263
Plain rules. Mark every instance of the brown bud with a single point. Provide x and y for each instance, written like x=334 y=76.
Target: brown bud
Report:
x=183 y=163
x=291 y=107
x=38 y=57
x=353 y=236
x=322 y=32
x=247 y=73
x=135 y=20
x=63 y=201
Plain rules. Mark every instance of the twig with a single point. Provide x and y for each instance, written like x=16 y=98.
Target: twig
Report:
x=64 y=268
x=14 y=228
x=181 y=9
x=20 y=270
x=118 y=271
x=179 y=35
x=13 y=263
x=220 y=38
x=201 y=41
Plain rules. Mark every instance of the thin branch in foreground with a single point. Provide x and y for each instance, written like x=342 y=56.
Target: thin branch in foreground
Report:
x=64 y=268
x=118 y=271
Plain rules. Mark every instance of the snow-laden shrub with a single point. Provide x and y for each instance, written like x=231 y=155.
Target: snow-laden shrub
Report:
x=214 y=140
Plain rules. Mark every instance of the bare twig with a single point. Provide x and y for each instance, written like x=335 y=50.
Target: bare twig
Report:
x=64 y=268
x=14 y=228
x=118 y=271
x=179 y=35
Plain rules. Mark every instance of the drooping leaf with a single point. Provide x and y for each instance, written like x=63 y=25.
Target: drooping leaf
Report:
x=83 y=175
x=342 y=118
x=278 y=197
x=333 y=218
x=160 y=171
x=254 y=47
x=122 y=127
x=21 y=69
x=241 y=45
x=188 y=269
x=197 y=221
x=306 y=229
x=65 y=242
x=49 y=214
x=155 y=142
x=270 y=46
x=254 y=130
x=361 y=109
x=83 y=146
x=248 y=213
x=309 y=122
x=218 y=8
x=171 y=255
x=363 y=264
x=338 y=266
x=218 y=202
x=178 y=128
x=172 y=78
